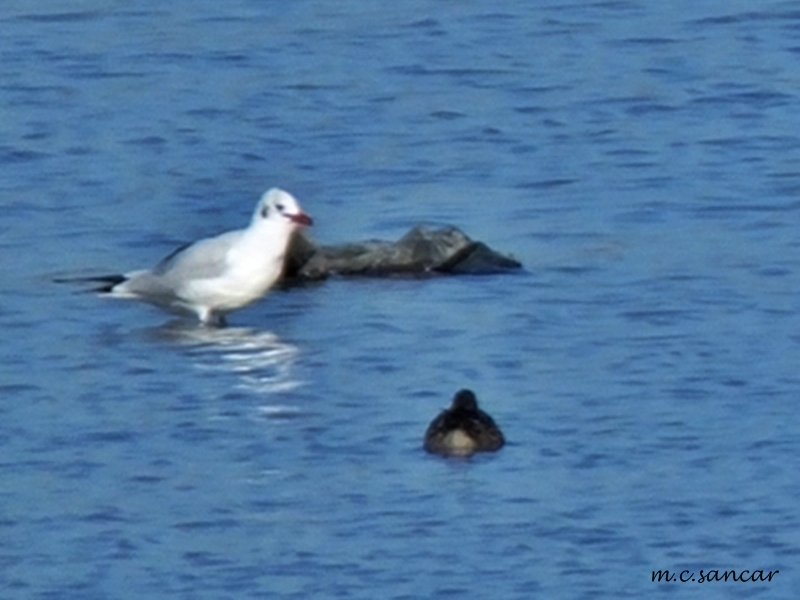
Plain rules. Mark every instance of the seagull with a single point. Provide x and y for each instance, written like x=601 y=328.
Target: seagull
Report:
x=214 y=276
x=463 y=429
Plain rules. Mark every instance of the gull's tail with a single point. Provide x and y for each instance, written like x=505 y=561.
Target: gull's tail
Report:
x=107 y=282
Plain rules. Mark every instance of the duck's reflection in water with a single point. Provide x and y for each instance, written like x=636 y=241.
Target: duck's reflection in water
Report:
x=260 y=360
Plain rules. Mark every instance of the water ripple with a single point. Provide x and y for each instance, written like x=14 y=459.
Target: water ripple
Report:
x=259 y=359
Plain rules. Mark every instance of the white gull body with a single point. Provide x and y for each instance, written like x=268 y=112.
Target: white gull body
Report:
x=214 y=276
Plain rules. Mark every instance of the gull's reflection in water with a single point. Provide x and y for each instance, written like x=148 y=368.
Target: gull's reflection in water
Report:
x=260 y=360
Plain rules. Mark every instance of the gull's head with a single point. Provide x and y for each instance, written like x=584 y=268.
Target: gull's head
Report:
x=277 y=205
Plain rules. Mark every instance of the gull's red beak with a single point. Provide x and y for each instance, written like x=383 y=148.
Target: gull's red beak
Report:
x=301 y=218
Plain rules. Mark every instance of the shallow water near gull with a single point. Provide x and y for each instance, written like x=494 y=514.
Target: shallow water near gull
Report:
x=259 y=359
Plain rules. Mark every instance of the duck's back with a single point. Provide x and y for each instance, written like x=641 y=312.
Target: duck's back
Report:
x=460 y=433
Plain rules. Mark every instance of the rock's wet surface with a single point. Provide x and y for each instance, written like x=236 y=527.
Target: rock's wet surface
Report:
x=421 y=251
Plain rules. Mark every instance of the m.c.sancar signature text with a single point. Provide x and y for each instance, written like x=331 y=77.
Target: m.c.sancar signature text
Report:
x=687 y=576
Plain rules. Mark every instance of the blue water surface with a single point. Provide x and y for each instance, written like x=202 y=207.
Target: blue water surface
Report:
x=642 y=161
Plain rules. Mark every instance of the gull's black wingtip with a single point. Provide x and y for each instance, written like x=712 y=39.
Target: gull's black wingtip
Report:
x=107 y=281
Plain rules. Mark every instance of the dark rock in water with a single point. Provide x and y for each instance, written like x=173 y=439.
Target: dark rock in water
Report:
x=301 y=249
x=420 y=251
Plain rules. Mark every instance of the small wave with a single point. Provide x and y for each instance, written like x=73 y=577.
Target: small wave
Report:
x=262 y=362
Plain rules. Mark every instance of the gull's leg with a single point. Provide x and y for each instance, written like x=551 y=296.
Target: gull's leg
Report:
x=206 y=315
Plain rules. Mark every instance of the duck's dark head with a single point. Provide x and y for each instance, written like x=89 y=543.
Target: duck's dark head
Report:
x=465 y=400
